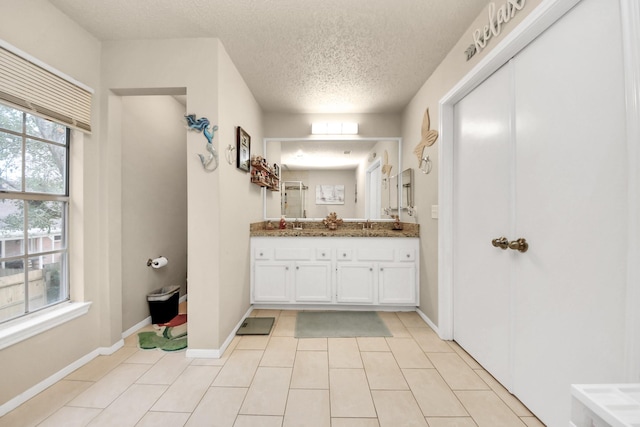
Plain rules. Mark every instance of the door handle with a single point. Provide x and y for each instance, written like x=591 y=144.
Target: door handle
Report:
x=500 y=242
x=519 y=245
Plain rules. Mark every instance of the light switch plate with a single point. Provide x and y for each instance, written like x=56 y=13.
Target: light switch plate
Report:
x=434 y=211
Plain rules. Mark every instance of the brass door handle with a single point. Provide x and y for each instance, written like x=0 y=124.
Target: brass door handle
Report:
x=500 y=242
x=520 y=245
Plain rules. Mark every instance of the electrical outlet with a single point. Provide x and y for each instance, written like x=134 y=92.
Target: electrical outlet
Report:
x=434 y=211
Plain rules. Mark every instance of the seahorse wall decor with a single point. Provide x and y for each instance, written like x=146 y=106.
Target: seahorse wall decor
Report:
x=202 y=125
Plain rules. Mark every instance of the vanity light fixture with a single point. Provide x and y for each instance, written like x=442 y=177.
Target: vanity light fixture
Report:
x=335 y=128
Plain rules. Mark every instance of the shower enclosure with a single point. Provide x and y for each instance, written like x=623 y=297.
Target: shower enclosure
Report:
x=294 y=199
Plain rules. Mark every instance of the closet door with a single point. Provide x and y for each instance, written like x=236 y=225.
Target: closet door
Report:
x=554 y=315
x=482 y=212
x=570 y=205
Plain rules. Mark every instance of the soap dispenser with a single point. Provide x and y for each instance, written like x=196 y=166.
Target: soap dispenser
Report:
x=283 y=223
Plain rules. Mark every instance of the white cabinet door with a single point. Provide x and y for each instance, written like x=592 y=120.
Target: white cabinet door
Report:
x=312 y=281
x=355 y=282
x=271 y=282
x=397 y=283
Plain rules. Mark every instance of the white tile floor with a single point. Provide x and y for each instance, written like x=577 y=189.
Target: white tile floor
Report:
x=411 y=379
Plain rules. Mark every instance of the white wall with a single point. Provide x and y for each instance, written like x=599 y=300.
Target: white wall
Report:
x=154 y=200
x=42 y=31
x=448 y=73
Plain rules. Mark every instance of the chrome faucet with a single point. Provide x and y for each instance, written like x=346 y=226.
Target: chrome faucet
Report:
x=368 y=225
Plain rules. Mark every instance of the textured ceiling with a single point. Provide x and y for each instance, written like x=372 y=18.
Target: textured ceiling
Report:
x=302 y=56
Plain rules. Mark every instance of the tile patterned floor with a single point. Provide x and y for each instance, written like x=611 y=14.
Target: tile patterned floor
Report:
x=411 y=379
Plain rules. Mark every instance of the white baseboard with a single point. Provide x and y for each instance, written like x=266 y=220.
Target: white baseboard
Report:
x=333 y=307
x=61 y=374
x=428 y=321
x=12 y=404
x=217 y=353
x=132 y=330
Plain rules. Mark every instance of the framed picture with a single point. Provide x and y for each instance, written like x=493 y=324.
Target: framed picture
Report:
x=243 y=148
x=329 y=194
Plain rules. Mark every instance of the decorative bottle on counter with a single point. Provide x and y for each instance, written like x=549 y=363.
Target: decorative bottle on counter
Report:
x=283 y=223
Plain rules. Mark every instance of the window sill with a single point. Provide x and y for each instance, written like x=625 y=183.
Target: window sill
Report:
x=22 y=329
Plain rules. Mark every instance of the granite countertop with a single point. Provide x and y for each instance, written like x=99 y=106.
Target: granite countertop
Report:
x=346 y=229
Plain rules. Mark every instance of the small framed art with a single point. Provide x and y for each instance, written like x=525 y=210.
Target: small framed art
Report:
x=243 y=149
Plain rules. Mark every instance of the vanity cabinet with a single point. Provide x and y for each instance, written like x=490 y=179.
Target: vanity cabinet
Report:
x=335 y=271
x=355 y=283
x=312 y=281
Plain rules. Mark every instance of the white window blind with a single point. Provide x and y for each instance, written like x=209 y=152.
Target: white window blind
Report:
x=29 y=86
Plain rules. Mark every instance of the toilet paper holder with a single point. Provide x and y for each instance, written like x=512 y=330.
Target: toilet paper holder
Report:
x=151 y=262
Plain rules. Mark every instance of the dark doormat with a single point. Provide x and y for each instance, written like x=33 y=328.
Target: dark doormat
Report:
x=256 y=326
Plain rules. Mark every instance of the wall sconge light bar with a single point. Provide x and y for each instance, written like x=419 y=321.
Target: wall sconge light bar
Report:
x=337 y=128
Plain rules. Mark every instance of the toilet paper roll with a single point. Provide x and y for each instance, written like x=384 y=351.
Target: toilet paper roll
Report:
x=159 y=262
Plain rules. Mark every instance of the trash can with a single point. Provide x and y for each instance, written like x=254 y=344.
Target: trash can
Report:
x=163 y=304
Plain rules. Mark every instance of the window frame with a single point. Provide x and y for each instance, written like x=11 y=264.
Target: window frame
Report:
x=26 y=238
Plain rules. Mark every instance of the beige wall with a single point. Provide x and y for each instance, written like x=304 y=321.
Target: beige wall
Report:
x=449 y=72
x=240 y=201
x=154 y=200
x=222 y=203
x=313 y=178
x=42 y=31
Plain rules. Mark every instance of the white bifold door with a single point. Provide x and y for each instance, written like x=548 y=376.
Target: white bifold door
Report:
x=540 y=214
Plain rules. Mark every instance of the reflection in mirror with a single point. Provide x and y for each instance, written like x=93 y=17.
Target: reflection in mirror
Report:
x=350 y=177
x=293 y=199
x=406 y=181
x=407 y=189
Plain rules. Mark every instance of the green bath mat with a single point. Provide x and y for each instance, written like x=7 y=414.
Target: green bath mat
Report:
x=166 y=339
x=340 y=324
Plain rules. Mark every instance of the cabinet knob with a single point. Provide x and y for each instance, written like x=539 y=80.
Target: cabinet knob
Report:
x=260 y=253
x=408 y=256
x=344 y=255
x=297 y=267
x=323 y=254
x=371 y=269
x=520 y=245
x=381 y=269
x=286 y=268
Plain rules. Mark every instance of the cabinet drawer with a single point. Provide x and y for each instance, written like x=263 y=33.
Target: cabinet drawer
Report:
x=323 y=253
x=344 y=254
x=406 y=255
x=293 y=254
x=263 y=253
x=375 y=254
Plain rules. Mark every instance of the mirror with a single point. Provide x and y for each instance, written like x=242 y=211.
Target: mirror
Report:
x=406 y=183
x=352 y=177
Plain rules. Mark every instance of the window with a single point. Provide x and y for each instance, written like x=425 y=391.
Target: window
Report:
x=34 y=198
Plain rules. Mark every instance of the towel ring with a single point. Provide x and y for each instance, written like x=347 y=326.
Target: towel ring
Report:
x=229 y=154
x=427 y=165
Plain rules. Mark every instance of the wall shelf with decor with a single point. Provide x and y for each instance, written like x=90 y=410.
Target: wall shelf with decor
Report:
x=265 y=175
